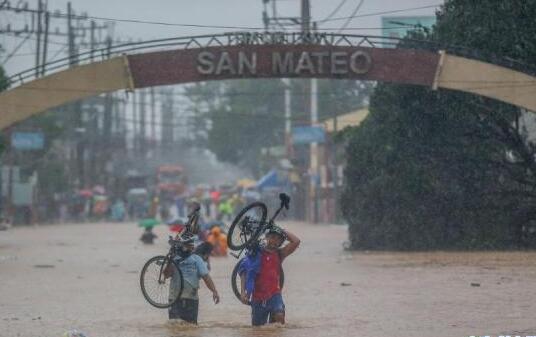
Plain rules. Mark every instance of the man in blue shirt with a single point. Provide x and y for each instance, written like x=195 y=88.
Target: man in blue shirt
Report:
x=193 y=268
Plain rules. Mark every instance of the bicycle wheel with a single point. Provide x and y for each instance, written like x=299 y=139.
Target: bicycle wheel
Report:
x=235 y=280
x=247 y=225
x=158 y=290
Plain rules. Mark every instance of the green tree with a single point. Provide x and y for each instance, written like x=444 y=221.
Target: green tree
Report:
x=444 y=169
x=247 y=115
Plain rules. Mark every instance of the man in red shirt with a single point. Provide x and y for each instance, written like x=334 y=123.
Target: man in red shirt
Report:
x=266 y=300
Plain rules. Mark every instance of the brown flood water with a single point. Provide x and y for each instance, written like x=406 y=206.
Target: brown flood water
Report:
x=57 y=278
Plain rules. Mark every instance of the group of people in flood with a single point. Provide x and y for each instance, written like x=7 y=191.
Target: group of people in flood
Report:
x=259 y=272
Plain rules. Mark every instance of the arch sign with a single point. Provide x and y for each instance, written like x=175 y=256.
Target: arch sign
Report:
x=268 y=55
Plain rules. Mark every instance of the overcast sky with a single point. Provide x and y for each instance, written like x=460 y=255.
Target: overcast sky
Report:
x=241 y=13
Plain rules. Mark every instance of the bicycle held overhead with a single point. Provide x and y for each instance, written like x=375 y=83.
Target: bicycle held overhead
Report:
x=162 y=279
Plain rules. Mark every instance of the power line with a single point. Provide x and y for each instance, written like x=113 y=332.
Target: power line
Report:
x=29 y=38
x=30 y=54
x=378 y=13
x=356 y=9
x=58 y=14
x=161 y=23
x=335 y=10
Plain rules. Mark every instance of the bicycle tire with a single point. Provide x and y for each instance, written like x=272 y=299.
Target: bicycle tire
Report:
x=237 y=245
x=163 y=301
x=235 y=280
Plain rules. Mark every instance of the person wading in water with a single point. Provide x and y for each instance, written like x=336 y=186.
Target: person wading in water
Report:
x=264 y=291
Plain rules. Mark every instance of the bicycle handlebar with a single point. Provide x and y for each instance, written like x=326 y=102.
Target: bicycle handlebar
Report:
x=196 y=207
x=285 y=201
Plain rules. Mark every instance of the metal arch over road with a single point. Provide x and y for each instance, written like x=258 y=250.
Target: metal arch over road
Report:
x=260 y=55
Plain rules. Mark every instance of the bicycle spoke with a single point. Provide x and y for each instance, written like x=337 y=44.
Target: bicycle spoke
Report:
x=156 y=286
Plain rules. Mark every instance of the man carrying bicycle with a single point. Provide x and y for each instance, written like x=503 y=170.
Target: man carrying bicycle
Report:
x=193 y=268
x=264 y=292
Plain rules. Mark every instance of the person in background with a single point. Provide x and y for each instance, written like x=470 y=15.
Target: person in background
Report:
x=218 y=240
x=215 y=197
x=180 y=202
x=225 y=209
x=207 y=202
x=260 y=277
x=118 y=210
x=148 y=236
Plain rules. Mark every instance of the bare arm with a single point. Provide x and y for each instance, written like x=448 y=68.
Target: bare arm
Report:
x=210 y=285
x=244 y=297
x=293 y=244
x=168 y=270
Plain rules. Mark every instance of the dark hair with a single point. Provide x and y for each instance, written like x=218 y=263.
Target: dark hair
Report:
x=204 y=249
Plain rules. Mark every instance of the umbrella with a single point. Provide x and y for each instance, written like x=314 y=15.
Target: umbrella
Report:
x=245 y=183
x=85 y=193
x=137 y=191
x=99 y=189
x=177 y=225
x=149 y=222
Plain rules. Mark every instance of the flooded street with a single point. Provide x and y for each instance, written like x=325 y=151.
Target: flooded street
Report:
x=56 y=278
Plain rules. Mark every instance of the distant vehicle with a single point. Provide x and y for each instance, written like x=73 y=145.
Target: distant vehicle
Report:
x=138 y=203
x=170 y=181
x=136 y=179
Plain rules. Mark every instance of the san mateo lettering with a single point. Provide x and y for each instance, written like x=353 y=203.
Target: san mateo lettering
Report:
x=289 y=63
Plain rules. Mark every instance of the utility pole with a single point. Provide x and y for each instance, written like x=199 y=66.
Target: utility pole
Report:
x=143 y=148
x=312 y=105
x=305 y=16
x=314 y=149
x=38 y=47
x=77 y=107
x=92 y=40
x=45 y=42
x=288 y=123
x=335 y=171
x=153 y=118
x=134 y=123
x=70 y=34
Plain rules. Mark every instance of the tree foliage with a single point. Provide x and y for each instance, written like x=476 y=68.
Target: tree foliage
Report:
x=248 y=115
x=446 y=169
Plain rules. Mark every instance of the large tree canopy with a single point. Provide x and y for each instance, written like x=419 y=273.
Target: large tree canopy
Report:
x=443 y=169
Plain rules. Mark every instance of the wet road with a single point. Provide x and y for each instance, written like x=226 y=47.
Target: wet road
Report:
x=56 y=278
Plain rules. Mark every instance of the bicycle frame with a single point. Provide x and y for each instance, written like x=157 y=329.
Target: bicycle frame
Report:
x=193 y=217
x=254 y=241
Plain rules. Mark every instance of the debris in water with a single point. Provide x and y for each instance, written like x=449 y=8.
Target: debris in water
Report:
x=44 y=266
x=74 y=333
x=475 y=284
x=344 y=284
x=7 y=258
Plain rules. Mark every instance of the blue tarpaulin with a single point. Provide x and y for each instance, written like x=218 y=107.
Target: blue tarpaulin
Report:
x=269 y=180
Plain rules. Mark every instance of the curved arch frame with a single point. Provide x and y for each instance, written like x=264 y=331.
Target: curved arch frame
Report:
x=438 y=70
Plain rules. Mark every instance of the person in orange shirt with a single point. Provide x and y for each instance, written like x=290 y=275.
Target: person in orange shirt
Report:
x=218 y=241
